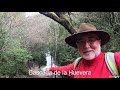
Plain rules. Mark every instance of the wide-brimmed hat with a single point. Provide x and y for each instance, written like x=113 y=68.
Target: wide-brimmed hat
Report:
x=87 y=28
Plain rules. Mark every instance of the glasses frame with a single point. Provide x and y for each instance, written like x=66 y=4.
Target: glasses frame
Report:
x=90 y=41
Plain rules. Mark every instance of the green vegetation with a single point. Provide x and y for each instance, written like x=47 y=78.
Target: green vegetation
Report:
x=16 y=48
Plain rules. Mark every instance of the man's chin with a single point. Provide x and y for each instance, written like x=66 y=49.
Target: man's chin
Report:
x=89 y=58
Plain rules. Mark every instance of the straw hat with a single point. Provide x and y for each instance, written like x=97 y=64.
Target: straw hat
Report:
x=87 y=28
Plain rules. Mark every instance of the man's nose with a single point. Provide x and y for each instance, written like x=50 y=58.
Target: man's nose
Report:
x=86 y=44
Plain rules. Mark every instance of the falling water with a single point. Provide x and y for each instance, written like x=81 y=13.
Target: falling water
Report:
x=49 y=60
x=49 y=63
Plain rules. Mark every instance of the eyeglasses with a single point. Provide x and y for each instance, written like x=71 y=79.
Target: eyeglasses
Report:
x=90 y=41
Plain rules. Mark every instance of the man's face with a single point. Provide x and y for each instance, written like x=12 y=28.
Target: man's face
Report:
x=89 y=46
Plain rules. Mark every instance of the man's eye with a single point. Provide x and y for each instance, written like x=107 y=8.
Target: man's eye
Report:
x=81 y=41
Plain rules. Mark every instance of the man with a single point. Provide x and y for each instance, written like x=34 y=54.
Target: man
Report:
x=88 y=41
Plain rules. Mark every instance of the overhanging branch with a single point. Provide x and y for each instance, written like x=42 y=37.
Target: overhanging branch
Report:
x=61 y=19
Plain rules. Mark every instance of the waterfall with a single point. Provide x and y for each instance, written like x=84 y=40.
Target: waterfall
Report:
x=36 y=72
x=50 y=63
x=49 y=60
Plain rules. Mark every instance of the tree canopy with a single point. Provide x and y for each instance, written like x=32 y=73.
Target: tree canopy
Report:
x=30 y=38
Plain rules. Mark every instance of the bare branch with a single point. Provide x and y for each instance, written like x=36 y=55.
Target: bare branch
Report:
x=62 y=19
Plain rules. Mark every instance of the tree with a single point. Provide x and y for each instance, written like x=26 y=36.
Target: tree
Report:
x=12 y=53
x=107 y=21
x=62 y=18
x=36 y=36
x=61 y=53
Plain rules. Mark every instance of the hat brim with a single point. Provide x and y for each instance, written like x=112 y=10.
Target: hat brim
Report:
x=104 y=36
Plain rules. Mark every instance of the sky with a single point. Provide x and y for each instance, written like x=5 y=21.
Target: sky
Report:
x=31 y=13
